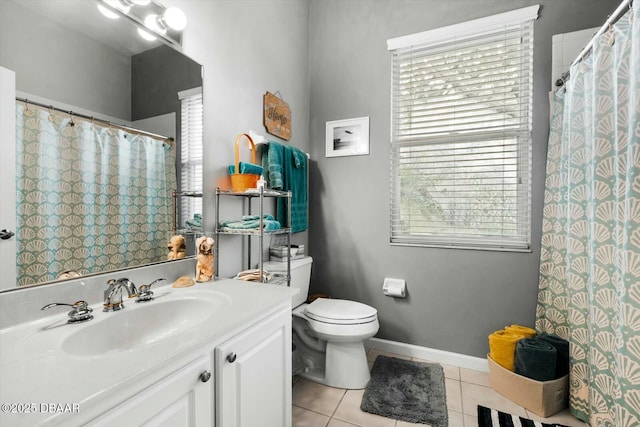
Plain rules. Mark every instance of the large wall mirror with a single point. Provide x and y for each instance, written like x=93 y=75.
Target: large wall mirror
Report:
x=118 y=202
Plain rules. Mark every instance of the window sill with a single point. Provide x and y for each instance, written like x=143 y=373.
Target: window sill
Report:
x=464 y=247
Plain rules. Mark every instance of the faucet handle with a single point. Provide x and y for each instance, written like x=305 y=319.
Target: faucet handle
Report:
x=79 y=313
x=145 y=293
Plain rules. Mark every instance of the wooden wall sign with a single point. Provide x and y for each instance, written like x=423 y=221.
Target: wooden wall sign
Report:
x=277 y=116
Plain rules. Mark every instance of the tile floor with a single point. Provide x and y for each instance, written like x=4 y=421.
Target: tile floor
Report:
x=316 y=405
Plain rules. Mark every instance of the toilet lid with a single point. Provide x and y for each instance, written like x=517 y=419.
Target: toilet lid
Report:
x=340 y=311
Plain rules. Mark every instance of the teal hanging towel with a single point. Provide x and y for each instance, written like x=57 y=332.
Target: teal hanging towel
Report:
x=286 y=170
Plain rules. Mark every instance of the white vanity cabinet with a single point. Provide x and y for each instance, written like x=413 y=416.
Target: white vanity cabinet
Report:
x=183 y=399
x=253 y=375
x=249 y=374
x=228 y=366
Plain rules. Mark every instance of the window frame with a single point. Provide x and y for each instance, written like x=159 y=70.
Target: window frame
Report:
x=463 y=33
x=188 y=206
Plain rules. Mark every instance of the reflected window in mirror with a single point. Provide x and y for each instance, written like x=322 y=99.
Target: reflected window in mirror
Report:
x=191 y=160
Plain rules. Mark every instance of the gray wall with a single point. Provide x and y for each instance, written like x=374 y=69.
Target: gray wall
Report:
x=246 y=48
x=54 y=62
x=156 y=73
x=456 y=297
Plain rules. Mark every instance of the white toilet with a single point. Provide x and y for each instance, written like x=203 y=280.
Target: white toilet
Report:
x=328 y=334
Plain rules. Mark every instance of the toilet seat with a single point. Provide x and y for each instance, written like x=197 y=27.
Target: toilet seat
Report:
x=340 y=312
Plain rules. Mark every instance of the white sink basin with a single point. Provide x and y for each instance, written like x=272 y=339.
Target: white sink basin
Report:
x=141 y=324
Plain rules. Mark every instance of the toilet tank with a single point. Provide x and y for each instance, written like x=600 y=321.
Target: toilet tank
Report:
x=300 y=276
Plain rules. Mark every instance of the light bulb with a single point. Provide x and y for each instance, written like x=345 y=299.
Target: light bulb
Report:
x=116 y=4
x=145 y=35
x=151 y=22
x=106 y=12
x=175 y=18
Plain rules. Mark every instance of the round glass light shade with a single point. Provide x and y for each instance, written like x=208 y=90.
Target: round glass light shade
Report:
x=151 y=22
x=106 y=12
x=118 y=5
x=145 y=35
x=175 y=18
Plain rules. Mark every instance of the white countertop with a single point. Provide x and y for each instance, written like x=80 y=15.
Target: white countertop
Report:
x=35 y=370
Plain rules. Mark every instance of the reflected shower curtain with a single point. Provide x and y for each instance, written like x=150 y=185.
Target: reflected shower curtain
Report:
x=90 y=198
x=590 y=259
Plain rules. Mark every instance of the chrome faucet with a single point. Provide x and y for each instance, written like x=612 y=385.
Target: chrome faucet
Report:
x=80 y=311
x=145 y=293
x=113 y=294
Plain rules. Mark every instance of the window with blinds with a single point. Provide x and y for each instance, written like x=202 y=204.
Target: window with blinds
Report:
x=461 y=134
x=191 y=152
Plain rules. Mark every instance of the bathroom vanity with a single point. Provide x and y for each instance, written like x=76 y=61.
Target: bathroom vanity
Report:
x=216 y=354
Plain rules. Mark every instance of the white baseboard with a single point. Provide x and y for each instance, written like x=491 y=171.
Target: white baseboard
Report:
x=430 y=354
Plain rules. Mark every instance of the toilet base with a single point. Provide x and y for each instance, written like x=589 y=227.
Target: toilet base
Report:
x=344 y=366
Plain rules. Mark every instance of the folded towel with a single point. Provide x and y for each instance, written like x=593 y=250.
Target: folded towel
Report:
x=272 y=164
x=502 y=348
x=268 y=224
x=246 y=168
x=525 y=331
x=562 y=347
x=536 y=359
x=252 y=217
x=196 y=222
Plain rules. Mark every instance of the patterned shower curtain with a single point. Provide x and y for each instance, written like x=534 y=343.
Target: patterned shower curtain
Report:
x=90 y=198
x=590 y=259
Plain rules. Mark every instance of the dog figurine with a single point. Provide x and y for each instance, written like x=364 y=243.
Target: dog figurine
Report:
x=176 y=247
x=204 y=259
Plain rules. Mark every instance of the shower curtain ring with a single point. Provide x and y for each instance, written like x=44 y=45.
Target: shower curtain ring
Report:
x=610 y=35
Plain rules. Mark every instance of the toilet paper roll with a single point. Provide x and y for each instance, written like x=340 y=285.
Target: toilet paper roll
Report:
x=394 y=288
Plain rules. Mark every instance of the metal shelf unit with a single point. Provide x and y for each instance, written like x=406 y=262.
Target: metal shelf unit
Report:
x=260 y=194
x=177 y=195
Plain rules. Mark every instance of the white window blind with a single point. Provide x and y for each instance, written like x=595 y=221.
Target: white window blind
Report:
x=191 y=155
x=461 y=135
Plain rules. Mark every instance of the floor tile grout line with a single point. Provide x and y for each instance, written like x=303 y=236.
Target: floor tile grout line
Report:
x=315 y=412
x=338 y=405
x=461 y=398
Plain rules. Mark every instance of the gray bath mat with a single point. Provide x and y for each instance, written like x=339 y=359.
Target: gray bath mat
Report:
x=407 y=391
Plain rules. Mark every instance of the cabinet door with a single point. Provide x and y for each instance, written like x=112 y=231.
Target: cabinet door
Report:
x=182 y=399
x=253 y=382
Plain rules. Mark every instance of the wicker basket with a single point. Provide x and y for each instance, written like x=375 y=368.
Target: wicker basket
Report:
x=240 y=182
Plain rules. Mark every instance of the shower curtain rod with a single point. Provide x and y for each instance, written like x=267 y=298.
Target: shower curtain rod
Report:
x=166 y=139
x=613 y=18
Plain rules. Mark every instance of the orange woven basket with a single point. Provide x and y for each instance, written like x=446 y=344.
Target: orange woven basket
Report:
x=243 y=181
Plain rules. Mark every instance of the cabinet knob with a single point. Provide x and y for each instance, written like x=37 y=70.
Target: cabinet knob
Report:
x=231 y=357
x=205 y=376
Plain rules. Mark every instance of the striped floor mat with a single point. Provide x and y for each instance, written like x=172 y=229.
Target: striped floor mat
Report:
x=493 y=418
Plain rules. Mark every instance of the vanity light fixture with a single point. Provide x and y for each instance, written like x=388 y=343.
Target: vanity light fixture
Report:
x=116 y=4
x=166 y=23
x=145 y=35
x=106 y=12
x=173 y=18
